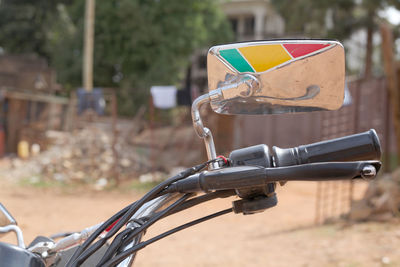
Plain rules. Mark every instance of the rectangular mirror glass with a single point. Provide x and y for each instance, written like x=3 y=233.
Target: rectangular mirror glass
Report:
x=280 y=76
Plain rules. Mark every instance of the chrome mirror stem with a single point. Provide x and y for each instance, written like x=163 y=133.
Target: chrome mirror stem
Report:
x=5 y=217
x=17 y=231
x=204 y=132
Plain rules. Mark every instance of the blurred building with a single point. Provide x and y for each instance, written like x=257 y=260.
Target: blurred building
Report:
x=27 y=73
x=28 y=105
x=253 y=19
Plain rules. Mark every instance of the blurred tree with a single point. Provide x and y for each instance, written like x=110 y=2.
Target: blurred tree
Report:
x=334 y=19
x=368 y=19
x=23 y=25
x=138 y=43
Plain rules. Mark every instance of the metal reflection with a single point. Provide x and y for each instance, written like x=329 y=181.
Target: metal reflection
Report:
x=276 y=76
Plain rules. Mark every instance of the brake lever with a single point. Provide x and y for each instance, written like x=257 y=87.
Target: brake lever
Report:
x=326 y=171
x=249 y=176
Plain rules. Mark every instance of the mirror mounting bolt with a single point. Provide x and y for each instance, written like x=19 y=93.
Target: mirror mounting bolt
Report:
x=252 y=83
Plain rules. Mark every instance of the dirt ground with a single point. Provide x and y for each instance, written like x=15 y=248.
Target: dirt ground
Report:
x=281 y=236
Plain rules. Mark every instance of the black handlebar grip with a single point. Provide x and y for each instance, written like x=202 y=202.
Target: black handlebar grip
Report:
x=362 y=146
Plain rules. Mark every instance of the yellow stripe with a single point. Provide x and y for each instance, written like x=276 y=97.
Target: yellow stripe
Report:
x=265 y=57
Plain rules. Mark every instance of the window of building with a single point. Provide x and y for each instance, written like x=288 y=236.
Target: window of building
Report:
x=249 y=25
x=234 y=24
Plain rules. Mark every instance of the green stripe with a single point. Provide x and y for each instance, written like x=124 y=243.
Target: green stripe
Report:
x=236 y=60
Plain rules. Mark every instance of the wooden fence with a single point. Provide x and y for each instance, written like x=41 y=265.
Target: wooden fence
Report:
x=369 y=109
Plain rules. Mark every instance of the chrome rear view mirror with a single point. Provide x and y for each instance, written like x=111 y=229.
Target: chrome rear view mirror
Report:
x=270 y=77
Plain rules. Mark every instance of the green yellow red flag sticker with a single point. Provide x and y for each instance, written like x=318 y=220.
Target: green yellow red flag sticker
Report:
x=263 y=57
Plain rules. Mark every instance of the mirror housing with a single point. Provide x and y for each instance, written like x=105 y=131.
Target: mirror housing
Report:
x=269 y=77
x=280 y=76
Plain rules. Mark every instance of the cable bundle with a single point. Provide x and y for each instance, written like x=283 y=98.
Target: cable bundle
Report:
x=114 y=254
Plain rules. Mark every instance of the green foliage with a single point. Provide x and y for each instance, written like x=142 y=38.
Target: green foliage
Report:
x=23 y=25
x=138 y=43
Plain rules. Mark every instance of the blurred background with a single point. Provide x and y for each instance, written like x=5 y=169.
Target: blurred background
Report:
x=95 y=95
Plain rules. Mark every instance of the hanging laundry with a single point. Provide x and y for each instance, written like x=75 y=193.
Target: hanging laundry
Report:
x=164 y=97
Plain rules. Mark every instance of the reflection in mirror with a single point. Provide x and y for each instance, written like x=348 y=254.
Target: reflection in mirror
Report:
x=270 y=77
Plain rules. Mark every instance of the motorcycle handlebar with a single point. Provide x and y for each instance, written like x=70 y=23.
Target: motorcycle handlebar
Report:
x=326 y=160
x=362 y=146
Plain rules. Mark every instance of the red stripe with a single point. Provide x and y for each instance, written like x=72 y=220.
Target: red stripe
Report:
x=298 y=50
x=111 y=226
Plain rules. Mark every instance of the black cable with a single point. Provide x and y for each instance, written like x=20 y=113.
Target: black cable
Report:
x=119 y=239
x=119 y=258
x=102 y=228
x=127 y=215
x=152 y=193
x=185 y=205
x=188 y=204
x=136 y=240
x=201 y=199
x=115 y=245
